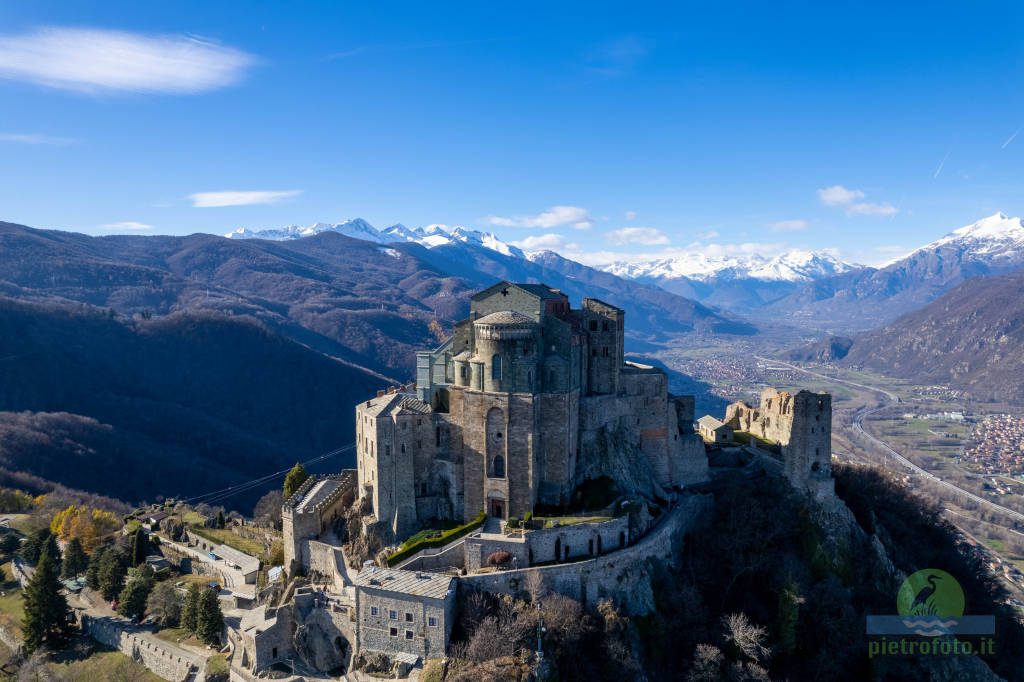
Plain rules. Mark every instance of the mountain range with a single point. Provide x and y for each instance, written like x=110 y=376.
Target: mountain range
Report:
x=865 y=298
x=970 y=338
x=813 y=290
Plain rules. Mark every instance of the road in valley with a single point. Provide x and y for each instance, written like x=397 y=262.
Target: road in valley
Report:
x=858 y=426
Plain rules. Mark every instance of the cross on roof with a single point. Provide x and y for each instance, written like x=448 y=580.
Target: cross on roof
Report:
x=504 y=292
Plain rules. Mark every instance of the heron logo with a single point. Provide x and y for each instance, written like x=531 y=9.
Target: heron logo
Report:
x=930 y=601
x=930 y=604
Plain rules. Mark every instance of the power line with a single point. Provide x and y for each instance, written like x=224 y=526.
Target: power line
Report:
x=231 y=490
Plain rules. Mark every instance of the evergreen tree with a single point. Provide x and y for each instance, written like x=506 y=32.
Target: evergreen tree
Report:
x=112 y=571
x=209 y=620
x=33 y=545
x=295 y=478
x=132 y=600
x=140 y=547
x=190 y=611
x=92 y=572
x=220 y=519
x=75 y=560
x=9 y=543
x=47 y=619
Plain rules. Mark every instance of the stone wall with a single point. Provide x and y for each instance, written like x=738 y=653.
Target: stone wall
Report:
x=164 y=659
x=323 y=563
x=620 y=576
x=374 y=629
x=452 y=556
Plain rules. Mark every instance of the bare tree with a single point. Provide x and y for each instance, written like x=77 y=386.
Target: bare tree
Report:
x=748 y=637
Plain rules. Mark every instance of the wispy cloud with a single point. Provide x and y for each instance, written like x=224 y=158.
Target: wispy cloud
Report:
x=1010 y=138
x=556 y=216
x=941 y=164
x=629 y=215
x=551 y=241
x=636 y=235
x=407 y=47
x=787 y=225
x=619 y=57
x=837 y=195
x=96 y=60
x=710 y=234
x=126 y=225
x=34 y=138
x=236 y=198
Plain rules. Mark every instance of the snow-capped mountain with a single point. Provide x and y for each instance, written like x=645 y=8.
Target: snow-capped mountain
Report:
x=869 y=297
x=431 y=236
x=997 y=237
x=792 y=266
x=357 y=228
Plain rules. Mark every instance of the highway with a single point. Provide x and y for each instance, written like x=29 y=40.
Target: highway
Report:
x=858 y=426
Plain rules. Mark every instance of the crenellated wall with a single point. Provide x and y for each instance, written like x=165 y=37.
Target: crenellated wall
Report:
x=164 y=659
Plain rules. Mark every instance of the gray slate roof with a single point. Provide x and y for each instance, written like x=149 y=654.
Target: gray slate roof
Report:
x=248 y=562
x=709 y=422
x=419 y=583
x=506 y=317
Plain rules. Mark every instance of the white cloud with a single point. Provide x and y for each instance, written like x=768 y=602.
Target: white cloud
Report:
x=630 y=215
x=231 y=198
x=710 y=234
x=126 y=225
x=871 y=209
x=34 y=138
x=556 y=216
x=837 y=195
x=551 y=241
x=93 y=60
x=636 y=235
x=788 y=225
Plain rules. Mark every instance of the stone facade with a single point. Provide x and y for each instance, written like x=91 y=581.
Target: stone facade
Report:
x=311 y=511
x=527 y=399
x=404 y=612
x=714 y=431
x=550 y=545
x=164 y=659
x=802 y=426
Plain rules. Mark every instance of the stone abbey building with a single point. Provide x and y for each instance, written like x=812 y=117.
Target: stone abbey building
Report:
x=528 y=398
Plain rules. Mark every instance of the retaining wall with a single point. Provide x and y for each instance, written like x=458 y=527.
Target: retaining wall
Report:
x=620 y=575
x=166 y=660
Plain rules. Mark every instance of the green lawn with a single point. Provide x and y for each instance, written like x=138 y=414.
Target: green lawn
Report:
x=12 y=606
x=100 y=664
x=226 y=537
x=570 y=520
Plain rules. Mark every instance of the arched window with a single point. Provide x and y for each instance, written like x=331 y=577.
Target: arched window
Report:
x=496 y=367
x=499 y=467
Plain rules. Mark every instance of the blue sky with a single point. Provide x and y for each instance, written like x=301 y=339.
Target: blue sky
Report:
x=859 y=127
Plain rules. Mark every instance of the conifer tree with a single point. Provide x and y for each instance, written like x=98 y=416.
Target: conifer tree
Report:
x=47 y=619
x=112 y=571
x=295 y=478
x=75 y=560
x=209 y=620
x=140 y=547
x=92 y=571
x=131 y=602
x=190 y=611
x=220 y=519
x=9 y=543
x=33 y=545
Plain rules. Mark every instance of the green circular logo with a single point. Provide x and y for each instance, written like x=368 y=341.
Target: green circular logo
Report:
x=931 y=592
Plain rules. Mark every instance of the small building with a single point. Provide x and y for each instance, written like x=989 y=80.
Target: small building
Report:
x=157 y=562
x=404 y=612
x=156 y=517
x=713 y=430
x=247 y=565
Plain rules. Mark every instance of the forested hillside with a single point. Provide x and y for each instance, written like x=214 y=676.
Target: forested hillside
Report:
x=170 y=406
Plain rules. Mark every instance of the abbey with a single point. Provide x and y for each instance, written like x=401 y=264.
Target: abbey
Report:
x=528 y=398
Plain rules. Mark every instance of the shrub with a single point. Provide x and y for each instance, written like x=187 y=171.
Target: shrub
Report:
x=513 y=522
x=440 y=541
x=528 y=517
x=499 y=558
